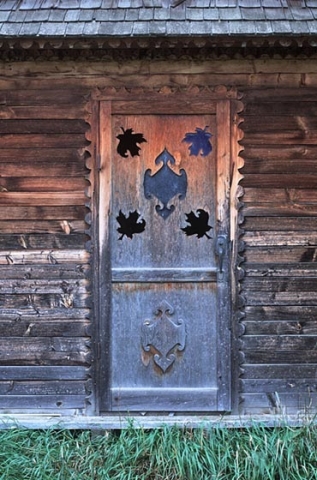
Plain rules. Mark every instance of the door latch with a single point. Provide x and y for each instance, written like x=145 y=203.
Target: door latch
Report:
x=221 y=246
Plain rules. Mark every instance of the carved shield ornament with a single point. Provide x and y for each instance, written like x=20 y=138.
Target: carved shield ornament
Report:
x=163 y=336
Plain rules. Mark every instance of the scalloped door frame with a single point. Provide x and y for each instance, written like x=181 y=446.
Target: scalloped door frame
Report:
x=132 y=374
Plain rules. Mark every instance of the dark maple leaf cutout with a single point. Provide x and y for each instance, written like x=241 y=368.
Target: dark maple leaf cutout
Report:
x=198 y=224
x=200 y=142
x=128 y=142
x=130 y=225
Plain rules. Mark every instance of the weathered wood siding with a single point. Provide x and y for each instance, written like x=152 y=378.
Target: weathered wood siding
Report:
x=45 y=341
x=44 y=337
x=280 y=287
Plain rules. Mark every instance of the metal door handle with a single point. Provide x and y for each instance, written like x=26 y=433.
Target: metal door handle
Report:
x=221 y=243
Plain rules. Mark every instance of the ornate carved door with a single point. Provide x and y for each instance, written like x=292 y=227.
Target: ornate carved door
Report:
x=165 y=251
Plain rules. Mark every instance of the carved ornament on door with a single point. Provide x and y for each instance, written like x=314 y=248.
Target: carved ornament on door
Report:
x=163 y=336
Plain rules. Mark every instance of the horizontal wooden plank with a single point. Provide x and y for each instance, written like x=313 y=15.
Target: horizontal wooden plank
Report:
x=272 y=355
x=43 y=345
x=43 y=373
x=276 y=153
x=42 y=199
x=278 y=224
x=51 y=271
x=292 y=126
x=49 y=359
x=287 y=180
x=52 y=111
x=165 y=105
x=51 y=81
x=281 y=107
x=238 y=65
x=279 y=165
x=280 y=327
x=51 y=402
x=277 y=95
x=305 y=298
x=43 y=169
x=26 y=227
x=47 y=300
x=63 y=96
x=270 y=238
x=45 y=241
x=279 y=254
x=280 y=343
x=44 y=351
x=140 y=69
x=44 y=77
x=43 y=328
x=56 y=155
x=164 y=275
x=281 y=195
x=43 y=184
x=271 y=402
x=286 y=313
x=275 y=371
x=26 y=257
x=48 y=387
x=33 y=140
x=28 y=314
x=279 y=209
x=67 y=212
x=280 y=284
x=298 y=136
x=283 y=385
x=281 y=270
x=39 y=286
x=72 y=421
x=41 y=126
x=133 y=399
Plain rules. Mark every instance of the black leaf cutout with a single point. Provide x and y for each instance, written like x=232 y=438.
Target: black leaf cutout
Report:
x=198 y=224
x=128 y=142
x=130 y=225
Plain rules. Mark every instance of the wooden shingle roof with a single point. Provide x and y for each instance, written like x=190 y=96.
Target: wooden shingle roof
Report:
x=157 y=18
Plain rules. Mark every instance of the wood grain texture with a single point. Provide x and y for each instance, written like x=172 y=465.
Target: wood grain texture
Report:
x=280 y=224
x=44 y=322
x=36 y=241
x=52 y=403
x=163 y=265
x=39 y=226
x=51 y=256
x=22 y=112
x=44 y=351
x=42 y=373
x=47 y=212
x=41 y=183
x=42 y=197
x=42 y=126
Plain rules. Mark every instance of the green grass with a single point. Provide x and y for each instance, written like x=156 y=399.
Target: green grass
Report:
x=256 y=453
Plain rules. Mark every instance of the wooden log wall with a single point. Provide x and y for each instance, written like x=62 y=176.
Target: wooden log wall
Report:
x=44 y=325
x=280 y=287
x=45 y=354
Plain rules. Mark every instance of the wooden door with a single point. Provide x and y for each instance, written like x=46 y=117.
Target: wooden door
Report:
x=165 y=306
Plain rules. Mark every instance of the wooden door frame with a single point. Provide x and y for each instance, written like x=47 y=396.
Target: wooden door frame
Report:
x=225 y=104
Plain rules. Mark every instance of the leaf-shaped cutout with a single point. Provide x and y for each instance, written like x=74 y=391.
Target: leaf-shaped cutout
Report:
x=200 y=142
x=130 y=225
x=128 y=142
x=198 y=224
